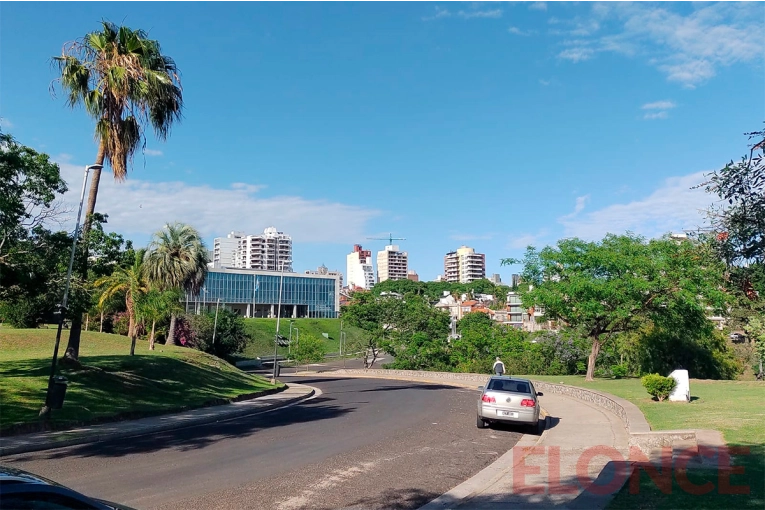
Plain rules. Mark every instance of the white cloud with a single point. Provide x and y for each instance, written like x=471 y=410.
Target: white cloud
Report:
x=673 y=207
x=138 y=208
x=687 y=47
x=152 y=152
x=581 y=202
x=656 y=115
x=471 y=237
x=544 y=83
x=659 y=105
x=575 y=55
x=472 y=13
x=538 y=6
x=518 y=31
x=662 y=106
x=5 y=123
x=494 y=13
x=520 y=242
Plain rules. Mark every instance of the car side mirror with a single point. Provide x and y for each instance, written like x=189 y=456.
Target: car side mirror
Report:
x=540 y=394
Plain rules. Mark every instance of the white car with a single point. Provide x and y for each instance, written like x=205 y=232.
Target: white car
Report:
x=508 y=400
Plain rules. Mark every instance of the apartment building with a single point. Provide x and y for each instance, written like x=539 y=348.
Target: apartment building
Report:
x=224 y=250
x=392 y=264
x=412 y=275
x=269 y=251
x=464 y=265
x=360 y=271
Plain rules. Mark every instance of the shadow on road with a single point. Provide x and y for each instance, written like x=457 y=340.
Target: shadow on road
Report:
x=200 y=436
x=415 y=386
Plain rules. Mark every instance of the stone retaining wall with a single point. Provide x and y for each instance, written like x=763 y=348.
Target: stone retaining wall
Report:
x=635 y=423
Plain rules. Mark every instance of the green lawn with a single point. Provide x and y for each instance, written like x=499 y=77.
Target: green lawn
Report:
x=263 y=332
x=111 y=384
x=736 y=408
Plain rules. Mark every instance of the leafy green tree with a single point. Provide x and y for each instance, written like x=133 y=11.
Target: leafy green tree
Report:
x=133 y=284
x=609 y=287
x=755 y=329
x=29 y=186
x=309 y=350
x=125 y=84
x=740 y=219
x=177 y=259
x=201 y=332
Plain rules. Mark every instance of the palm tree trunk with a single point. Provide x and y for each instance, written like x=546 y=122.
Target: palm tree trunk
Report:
x=101 y=327
x=73 y=345
x=151 y=336
x=171 y=334
x=133 y=326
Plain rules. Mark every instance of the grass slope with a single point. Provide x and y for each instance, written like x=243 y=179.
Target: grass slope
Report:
x=111 y=384
x=263 y=332
x=736 y=408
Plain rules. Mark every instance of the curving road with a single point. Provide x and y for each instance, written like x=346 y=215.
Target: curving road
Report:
x=363 y=444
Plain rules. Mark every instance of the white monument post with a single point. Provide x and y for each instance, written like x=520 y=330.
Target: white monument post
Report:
x=682 y=391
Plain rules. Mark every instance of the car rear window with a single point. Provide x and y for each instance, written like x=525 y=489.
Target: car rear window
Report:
x=510 y=386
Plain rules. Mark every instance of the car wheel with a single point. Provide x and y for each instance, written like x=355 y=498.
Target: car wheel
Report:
x=480 y=422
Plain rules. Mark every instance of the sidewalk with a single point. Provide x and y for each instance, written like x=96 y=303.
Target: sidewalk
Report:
x=541 y=472
x=103 y=432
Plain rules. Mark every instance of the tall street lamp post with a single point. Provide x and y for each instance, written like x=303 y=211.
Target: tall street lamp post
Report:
x=278 y=317
x=45 y=411
x=215 y=326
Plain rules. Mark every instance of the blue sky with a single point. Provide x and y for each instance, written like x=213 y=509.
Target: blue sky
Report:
x=489 y=124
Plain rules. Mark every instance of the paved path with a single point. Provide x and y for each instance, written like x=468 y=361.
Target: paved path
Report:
x=362 y=444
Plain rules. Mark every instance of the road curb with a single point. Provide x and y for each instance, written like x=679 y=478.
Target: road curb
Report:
x=162 y=427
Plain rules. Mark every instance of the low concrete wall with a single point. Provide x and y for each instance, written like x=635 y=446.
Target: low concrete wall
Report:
x=635 y=423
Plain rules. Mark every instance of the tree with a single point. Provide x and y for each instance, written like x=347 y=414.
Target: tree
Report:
x=29 y=186
x=177 y=259
x=612 y=286
x=755 y=329
x=309 y=350
x=740 y=220
x=133 y=283
x=155 y=306
x=125 y=83
x=371 y=314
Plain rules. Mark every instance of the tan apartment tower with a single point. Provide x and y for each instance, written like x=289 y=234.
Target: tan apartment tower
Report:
x=392 y=264
x=464 y=265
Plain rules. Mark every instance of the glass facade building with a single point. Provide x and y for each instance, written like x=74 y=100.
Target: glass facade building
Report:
x=256 y=294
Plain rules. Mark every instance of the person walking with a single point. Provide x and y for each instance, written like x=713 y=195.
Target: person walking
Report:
x=499 y=367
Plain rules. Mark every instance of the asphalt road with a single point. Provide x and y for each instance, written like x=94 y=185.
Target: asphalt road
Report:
x=363 y=443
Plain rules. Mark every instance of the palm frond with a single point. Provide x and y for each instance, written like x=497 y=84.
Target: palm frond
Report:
x=124 y=81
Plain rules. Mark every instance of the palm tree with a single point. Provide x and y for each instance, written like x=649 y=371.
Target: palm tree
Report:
x=155 y=306
x=125 y=83
x=177 y=259
x=133 y=283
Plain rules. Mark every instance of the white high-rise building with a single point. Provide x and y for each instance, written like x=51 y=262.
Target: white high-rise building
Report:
x=224 y=250
x=267 y=251
x=360 y=272
x=464 y=265
x=392 y=264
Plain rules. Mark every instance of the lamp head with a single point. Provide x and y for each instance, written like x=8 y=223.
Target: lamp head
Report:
x=95 y=167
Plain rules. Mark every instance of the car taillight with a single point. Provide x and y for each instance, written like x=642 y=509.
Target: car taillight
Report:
x=527 y=402
x=489 y=399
